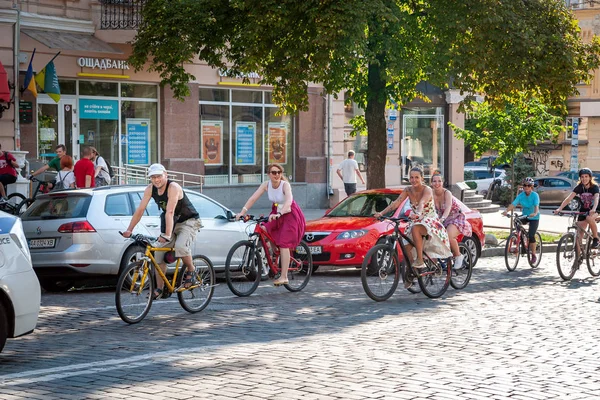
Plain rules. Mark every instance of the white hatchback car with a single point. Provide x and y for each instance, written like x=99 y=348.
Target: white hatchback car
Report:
x=19 y=287
x=483 y=178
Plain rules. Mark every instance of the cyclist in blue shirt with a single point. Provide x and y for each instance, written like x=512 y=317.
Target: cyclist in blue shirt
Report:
x=530 y=201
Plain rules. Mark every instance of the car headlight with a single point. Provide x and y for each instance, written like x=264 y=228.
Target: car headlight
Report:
x=352 y=234
x=18 y=236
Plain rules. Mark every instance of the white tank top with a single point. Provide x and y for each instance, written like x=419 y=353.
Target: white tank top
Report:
x=276 y=195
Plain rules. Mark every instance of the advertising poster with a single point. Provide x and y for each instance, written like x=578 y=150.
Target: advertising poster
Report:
x=138 y=141
x=245 y=143
x=212 y=142
x=99 y=109
x=277 y=142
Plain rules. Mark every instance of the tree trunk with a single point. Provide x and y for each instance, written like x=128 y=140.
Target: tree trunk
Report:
x=375 y=118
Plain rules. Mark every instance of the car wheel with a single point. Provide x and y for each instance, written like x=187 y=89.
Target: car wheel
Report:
x=132 y=254
x=3 y=326
x=55 y=286
x=473 y=245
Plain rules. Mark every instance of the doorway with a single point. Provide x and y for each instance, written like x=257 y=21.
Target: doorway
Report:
x=57 y=124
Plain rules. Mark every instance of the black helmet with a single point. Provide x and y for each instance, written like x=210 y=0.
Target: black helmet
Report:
x=585 y=171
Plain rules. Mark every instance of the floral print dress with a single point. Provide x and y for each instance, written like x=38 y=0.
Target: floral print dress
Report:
x=437 y=245
x=456 y=218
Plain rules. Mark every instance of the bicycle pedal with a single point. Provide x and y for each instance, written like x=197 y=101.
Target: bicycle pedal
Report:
x=166 y=294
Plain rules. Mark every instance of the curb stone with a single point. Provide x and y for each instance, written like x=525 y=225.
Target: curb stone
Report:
x=499 y=251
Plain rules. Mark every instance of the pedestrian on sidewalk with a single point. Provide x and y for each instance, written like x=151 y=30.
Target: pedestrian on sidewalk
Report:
x=530 y=201
x=451 y=216
x=286 y=221
x=8 y=172
x=589 y=193
x=84 y=170
x=347 y=171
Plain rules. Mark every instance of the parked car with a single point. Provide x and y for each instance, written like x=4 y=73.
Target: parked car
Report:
x=19 y=287
x=344 y=235
x=574 y=175
x=553 y=189
x=483 y=162
x=74 y=234
x=483 y=178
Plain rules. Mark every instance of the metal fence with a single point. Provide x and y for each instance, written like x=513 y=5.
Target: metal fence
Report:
x=121 y=14
x=135 y=174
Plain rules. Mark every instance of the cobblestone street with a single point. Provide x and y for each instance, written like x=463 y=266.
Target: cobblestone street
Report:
x=520 y=335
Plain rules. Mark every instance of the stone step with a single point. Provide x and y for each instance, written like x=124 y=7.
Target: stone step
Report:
x=492 y=208
x=478 y=204
x=473 y=198
x=469 y=193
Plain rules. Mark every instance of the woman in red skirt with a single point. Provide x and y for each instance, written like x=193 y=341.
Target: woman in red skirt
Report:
x=286 y=221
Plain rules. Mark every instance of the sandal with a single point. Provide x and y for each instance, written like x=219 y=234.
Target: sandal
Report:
x=188 y=279
x=277 y=282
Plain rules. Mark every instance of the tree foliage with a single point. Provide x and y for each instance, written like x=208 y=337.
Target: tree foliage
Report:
x=510 y=129
x=376 y=50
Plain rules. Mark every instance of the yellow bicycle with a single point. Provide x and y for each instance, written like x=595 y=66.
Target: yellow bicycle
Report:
x=135 y=288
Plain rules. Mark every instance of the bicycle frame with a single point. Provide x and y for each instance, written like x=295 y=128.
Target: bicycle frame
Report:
x=149 y=257
x=272 y=261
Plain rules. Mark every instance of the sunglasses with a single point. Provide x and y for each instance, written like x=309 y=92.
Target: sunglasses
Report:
x=274 y=172
x=527 y=185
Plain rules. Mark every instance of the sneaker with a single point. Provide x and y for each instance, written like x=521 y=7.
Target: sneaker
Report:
x=595 y=243
x=458 y=261
x=533 y=259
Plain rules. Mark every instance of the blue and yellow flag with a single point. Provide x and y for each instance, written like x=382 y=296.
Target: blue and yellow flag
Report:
x=48 y=80
x=29 y=83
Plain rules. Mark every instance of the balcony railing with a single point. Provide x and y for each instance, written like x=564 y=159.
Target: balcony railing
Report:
x=121 y=14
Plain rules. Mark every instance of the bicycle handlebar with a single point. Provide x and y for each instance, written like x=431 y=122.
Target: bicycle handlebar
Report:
x=138 y=237
x=252 y=218
x=393 y=219
x=561 y=213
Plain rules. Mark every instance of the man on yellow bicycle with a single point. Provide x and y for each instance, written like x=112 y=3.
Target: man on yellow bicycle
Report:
x=179 y=222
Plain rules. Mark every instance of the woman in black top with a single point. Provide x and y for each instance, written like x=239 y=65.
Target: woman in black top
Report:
x=589 y=193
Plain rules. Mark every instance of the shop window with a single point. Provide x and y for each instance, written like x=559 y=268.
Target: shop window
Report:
x=246 y=96
x=279 y=140
x=268 y=98
x=95 y=88
x=422 y=141
x=214 y=143
x=247 y=142
x=139 y=91
x=210 y=94
x=139 y=132
x=67 y=86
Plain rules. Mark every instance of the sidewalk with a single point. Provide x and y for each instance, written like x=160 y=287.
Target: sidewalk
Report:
x=548 y=222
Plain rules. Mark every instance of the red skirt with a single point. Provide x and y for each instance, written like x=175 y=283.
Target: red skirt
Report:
x=287 y=230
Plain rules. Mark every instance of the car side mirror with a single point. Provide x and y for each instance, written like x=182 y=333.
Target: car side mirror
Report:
x=230 y=216
x=535 y=185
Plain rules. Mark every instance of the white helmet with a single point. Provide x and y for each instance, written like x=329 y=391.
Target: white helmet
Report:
x=156 y=169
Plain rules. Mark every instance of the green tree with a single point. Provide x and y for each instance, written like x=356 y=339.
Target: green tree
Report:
x=377 y=50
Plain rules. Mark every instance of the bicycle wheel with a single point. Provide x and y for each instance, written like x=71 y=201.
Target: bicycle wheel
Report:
x=538 y=251
x=135 y=288
x=592 y=259
x=198 y=295
x=434 y=279
x=566 y=256
x=243 y=268
x=380 y=272
x=300 y=268
x=23 y=206
x=512 y=252
x=13 y=202
x=461 y=274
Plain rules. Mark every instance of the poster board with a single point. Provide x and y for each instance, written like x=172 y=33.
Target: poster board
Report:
x=211 y=141
x=277 y=150
x=245 y=143
x=138 y=141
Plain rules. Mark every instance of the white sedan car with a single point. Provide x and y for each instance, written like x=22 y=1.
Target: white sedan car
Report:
x=19 y=287
x=483 y=178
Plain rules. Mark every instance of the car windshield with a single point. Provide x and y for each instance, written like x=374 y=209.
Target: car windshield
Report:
x=363 y=205
x=58 y=207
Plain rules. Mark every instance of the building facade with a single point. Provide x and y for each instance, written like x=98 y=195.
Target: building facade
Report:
x=225 y=130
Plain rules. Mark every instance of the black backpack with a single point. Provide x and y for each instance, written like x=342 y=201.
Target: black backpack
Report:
x=110 y=170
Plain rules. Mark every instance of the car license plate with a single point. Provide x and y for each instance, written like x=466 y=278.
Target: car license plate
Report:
x=42 y=243
x=313 y=250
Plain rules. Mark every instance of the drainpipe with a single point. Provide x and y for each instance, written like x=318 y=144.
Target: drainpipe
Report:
x=329 y=144
x=16 y=77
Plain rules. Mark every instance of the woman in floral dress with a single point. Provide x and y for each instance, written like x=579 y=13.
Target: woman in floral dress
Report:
x=424 y=227
x=451 y=216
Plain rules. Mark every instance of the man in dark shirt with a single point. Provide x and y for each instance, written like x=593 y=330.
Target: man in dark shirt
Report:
x=179 y=222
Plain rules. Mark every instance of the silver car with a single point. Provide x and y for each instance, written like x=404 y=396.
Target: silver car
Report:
x=553 y=189
x=74 y=235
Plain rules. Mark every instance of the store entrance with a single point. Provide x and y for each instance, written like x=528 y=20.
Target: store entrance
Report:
x=57 y=124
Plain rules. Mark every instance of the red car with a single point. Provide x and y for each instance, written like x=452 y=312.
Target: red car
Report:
x=344 y=235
